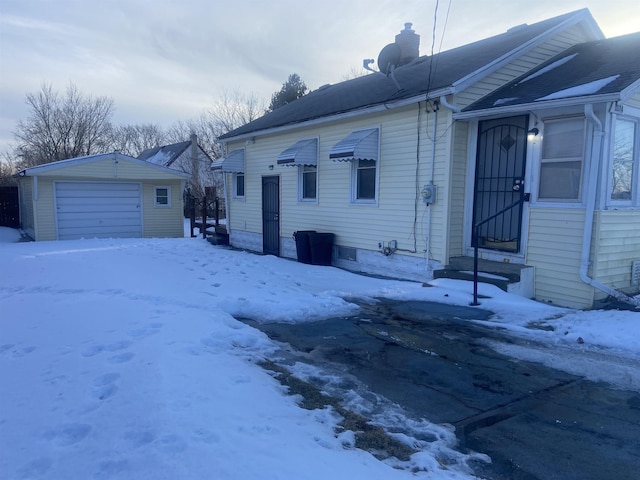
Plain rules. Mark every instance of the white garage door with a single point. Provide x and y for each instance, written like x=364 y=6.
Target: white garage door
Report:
x=98 y=210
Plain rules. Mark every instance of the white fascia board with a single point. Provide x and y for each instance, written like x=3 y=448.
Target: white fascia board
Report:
x=468 y=80
x=526 y=107
x=95 y=158
x=630 y=91
x=436 y=94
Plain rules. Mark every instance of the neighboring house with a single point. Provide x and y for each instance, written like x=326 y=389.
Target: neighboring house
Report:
x=532 y=136
x=188 y=157
x=101 y=196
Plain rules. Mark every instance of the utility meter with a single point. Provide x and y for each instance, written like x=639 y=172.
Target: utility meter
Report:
x=429 y=194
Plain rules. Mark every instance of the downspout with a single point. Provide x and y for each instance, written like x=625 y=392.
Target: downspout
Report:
x=432 y=175
x=595 y=157
x=453 y=108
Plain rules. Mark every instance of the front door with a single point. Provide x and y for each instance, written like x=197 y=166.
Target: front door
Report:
x=499 y=183
x=271 y=215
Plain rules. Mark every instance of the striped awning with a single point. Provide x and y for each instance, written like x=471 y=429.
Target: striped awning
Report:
x=358 y=145
x=234 y=161
x=303 y=152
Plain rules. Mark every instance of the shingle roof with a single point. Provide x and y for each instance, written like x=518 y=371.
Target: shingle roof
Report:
x=594 y=68
x=447 y=68
x=164 y=155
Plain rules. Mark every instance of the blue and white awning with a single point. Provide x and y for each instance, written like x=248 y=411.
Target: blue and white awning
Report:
x=358 y=145
x=233 y=162
x=303 y=152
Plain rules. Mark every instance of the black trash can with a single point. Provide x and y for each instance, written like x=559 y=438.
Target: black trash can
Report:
x=321 y=248
x=303 y=246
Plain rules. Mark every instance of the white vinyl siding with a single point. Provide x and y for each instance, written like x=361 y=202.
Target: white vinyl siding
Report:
x=618 y=243
x=396 y=213
x=162 y=222
x=458 y=186
x=554 y=248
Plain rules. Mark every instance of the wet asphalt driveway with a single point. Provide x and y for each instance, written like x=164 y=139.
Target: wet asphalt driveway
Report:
x=533 y=421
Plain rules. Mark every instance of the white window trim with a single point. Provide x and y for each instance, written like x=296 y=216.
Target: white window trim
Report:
x=577 y=202
x=235 y=185
x=155 y=196
x=354 y=176
x=301 y=199
x=634 y=201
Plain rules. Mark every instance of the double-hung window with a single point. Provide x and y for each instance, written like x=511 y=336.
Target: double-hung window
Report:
x=162 y=197
x=624 y=161
x=238 y=185
x=308 y=182
x=562 y=160
x=363 y=175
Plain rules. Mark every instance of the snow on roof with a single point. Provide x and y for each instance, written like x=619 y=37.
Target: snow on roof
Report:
x=590 y=88
x=549 y=67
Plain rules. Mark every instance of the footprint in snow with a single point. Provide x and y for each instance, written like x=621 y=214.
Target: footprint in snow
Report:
x=92 y=351
x=121 y=358
x=68 y=434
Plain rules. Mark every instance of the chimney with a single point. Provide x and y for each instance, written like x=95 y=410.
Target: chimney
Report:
x=409 y=42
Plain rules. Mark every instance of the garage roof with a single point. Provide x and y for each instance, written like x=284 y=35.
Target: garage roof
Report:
x=115 y=156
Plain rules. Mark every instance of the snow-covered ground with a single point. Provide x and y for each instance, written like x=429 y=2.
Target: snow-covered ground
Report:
x=121 y=359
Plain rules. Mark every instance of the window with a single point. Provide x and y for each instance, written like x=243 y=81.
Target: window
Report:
x=625 y=153
x=562 y=158
x=308 y=178
x=238 y=185
x=364 y=178
x=162 y=197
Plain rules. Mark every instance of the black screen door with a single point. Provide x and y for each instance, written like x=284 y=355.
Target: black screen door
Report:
x=271 y=215
x=499 y=182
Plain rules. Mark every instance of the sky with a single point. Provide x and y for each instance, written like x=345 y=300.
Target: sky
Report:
x=122 y=358
x=165 y=61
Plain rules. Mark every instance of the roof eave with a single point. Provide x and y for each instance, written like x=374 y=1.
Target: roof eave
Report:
x=94 y=158
x=630 y=91
x=340 y=116
x=559 y=103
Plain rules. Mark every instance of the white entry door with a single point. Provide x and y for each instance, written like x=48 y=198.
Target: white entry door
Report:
x=98 y=210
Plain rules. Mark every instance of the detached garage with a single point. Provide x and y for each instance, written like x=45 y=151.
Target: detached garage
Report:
x=101 y=196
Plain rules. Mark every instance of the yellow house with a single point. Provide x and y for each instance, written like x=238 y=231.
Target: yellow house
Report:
x=523 y=147
x=101 y=196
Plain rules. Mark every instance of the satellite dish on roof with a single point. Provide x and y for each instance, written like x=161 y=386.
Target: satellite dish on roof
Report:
x=389 y=58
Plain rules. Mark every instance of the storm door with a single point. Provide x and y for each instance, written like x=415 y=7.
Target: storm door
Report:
x=271 y=215
x=499 y=183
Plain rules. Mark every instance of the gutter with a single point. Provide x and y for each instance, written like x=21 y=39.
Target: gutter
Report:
x=596 y=145
x=340 y=116
x=519 y=108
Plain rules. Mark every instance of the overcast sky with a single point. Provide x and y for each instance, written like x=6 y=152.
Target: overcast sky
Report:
x=162 y=61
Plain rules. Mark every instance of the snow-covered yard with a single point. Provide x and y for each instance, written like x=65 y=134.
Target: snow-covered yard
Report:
x=122 y=359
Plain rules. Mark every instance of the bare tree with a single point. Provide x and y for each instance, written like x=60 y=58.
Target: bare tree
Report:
x=229 y=111
x=7 y=170
x=134 y=139
x=61 y=127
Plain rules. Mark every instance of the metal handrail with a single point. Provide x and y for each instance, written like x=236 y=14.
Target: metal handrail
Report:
x=476 y=226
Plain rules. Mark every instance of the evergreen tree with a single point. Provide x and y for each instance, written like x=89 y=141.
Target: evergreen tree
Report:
x=291 y=90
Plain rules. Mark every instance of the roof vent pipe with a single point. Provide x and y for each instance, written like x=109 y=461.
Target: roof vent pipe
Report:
x=409 y=42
